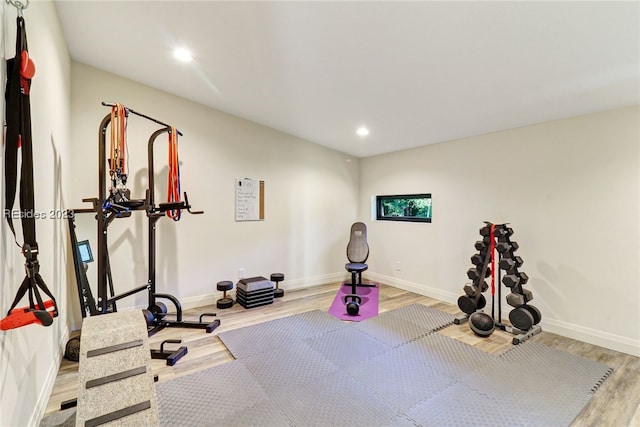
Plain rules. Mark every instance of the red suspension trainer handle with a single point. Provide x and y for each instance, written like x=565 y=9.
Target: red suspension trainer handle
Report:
x=24 y=316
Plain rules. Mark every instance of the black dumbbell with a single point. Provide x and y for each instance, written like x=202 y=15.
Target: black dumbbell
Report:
x=485 y=231
x=474 y=273
x=277 y=278
x=509 y=263
x=516 y=300
x=480 y=245
x=470 y=290
x=224 y=302
x=478 y=259
x=482 y=286
x=470 y=304
x=511 y=280
x=504 y=247
x=503 y=231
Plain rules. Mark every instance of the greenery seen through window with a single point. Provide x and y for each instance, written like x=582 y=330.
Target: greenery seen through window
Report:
x=412 y=207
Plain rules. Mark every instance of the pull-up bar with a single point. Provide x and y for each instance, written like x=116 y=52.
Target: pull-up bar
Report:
x=129 y=110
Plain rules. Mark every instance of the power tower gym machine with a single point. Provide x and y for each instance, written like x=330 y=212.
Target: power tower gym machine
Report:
x=116 y=203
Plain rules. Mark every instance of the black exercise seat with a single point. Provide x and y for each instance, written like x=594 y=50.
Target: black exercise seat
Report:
x=357 y=253
x=356 y=269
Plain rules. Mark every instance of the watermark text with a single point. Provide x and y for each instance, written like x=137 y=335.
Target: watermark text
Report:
x=50 y=214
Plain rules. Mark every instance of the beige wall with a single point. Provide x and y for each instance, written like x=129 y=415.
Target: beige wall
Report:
x=310 y=201
x=570 y=190
x=30 y=356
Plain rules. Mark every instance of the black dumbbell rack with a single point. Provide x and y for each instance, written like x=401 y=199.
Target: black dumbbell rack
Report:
x=524 y=317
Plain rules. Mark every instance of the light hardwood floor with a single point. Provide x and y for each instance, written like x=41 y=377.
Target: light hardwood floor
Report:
x=616 y=403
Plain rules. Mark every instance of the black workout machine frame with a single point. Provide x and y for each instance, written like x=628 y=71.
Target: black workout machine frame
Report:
x=105 y=214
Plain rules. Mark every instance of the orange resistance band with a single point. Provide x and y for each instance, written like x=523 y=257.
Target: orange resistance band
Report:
x=118 y=139
x=173 y=179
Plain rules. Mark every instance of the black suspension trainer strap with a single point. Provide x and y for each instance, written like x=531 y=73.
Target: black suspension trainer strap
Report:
x=20 y=70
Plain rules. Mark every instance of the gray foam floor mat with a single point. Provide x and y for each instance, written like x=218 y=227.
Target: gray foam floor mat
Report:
x=399 y=379
x=544 y=400
x=310 y=324
x=265 y=413
x=252 y=340
x=346 y=346
x=65 y=418
x=461 y=406
x=207 y=397
x=335 y=400
x=392 y=330
x=449 y=356
x=430 y=319
x=424 y=378
x=274 y=334
x=400 y=421
x=293 y=368
x=309 y=370
x=580 y=372
x=548 y=385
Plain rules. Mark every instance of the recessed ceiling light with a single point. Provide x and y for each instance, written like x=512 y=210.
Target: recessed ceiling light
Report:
x=362 y=131
x=182 y=54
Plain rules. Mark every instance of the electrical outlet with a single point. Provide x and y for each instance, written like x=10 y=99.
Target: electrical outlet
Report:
x=397 y=265
x=241 y=273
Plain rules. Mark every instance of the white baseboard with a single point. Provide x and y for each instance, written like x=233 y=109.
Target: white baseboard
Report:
x=306 y=282
x=592 y=336
x=419 y=289
x=309 y=282
x=194 y=302
x=569 y=330
x=50 y=380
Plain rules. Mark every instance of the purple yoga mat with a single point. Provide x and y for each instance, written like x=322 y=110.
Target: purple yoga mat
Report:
x=368 y=306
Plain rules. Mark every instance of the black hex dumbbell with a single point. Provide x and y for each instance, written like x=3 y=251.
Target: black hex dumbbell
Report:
x=509 y=263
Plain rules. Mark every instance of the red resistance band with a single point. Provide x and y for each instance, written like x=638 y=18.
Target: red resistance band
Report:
x=173 y=179
x=492 y=246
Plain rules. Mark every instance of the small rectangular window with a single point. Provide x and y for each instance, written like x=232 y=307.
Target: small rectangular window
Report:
x=409 y=207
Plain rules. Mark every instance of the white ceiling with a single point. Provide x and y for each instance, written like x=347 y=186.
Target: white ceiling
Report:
x=415 y=73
